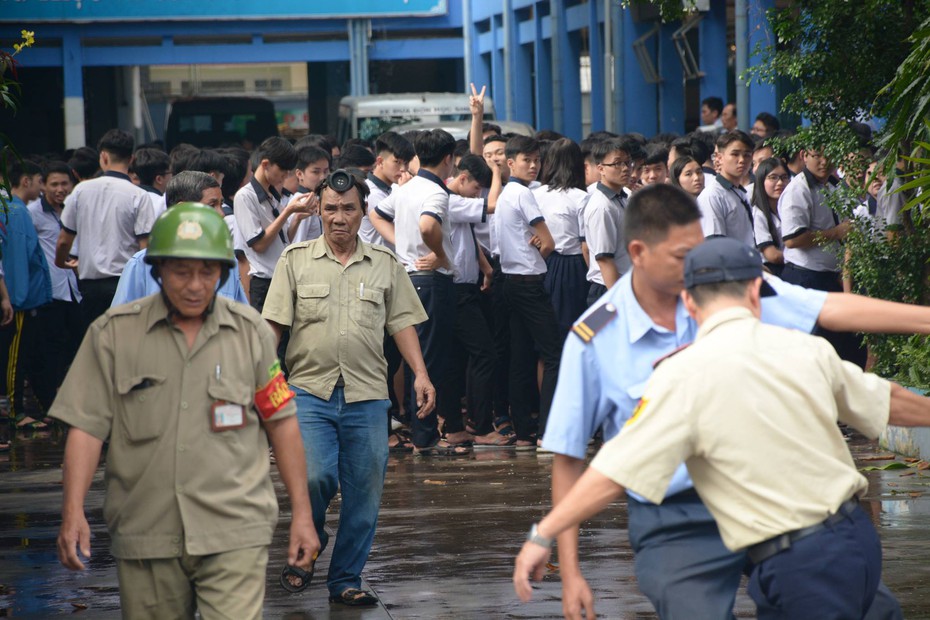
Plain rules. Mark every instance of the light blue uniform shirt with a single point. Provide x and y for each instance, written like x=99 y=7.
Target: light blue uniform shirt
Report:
x=137 y=282
x=601 y=382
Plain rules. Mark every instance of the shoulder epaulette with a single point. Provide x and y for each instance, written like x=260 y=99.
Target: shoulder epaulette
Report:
x=588 y=327
x=656 y=363
x=132 y=307
x=381 y=248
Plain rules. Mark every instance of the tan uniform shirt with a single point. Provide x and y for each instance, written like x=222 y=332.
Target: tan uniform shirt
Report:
x=338 y=315
x=171 y=480
x=752 y=411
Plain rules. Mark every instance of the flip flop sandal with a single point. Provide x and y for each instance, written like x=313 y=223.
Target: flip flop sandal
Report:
x=447 y=450
x=353 y=597
x=295 y=571
x=403 y=445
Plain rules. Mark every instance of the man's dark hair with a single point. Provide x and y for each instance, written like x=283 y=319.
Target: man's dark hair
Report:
x=279 y=152
x=518 y=145
x=634 y=147
x=207 y=160
x=656 y=153
x=237 y=166
x=355 y=156
x=771 y=123
x=564 y=167
x=365 y=144
x=548 y=134
x=476 y=168
x=706 y=293
x=653 y=210
x=495 y=138
x=486 y=127
x=19 y=168
x=729 y=137
x=705 y=139
x=395 y=144
x=603 y=148
x=761 y=144
x=411 y=136
x=714 y=103
x=188 y=186
x=308 y=155
x=56 y=167
x=462 y=149
x=318 y=141
x=85 y=163
x=118 y=144
x=434 y=146
x=587 y=146
x=149 y=163
x=180 y=157
x=665 y=139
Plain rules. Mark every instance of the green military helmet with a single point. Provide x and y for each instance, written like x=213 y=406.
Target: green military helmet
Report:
x=191 y=230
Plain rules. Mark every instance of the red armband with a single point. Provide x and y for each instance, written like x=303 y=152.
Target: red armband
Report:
x=270 y=399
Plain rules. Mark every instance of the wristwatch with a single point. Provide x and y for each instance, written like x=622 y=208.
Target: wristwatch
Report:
x=536 y=539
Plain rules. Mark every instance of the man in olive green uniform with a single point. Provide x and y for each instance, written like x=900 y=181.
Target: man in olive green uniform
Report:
x=188 y=391
x=338 y=295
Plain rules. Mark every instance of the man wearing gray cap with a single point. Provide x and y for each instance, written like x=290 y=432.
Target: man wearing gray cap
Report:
x=728 y=408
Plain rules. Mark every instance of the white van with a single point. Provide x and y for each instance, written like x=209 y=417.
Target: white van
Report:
x=370 y=116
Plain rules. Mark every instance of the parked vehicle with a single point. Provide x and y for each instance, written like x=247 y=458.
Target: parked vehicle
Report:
x=369 y=116
x=220 y=121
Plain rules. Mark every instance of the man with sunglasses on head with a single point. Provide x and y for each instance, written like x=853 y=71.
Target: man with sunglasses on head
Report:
x=338 y=295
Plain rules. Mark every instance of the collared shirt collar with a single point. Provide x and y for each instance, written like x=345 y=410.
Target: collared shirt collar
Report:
x=117 y=175
x=384 y=187
x=638 y=322
x=158 y=312
x=261 y=193
x=151 y=189
x=429 y=176
x=520 y=181
x=611 y=194
x=812 y=181
x=321 y=248
x=303 y=190
x=725 y=183
x=729 y=315
x=46 y=206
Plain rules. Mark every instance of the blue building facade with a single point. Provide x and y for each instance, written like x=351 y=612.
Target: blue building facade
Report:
x=567 y=65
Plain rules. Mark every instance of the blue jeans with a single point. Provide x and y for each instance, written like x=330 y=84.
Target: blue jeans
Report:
x=346 y=446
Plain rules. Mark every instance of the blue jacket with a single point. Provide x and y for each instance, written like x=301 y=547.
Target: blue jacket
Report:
x=25 y=269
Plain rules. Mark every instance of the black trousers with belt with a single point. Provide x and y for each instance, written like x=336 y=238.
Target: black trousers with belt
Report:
x=534 y=334
x=96 y=297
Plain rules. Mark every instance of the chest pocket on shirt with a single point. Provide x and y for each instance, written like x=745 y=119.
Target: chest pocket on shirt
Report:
x=369 y=306
x=143 y=400
x=312 y=301
x=232 y=392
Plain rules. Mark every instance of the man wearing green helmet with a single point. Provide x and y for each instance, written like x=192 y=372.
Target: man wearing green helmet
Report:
x=187 y=389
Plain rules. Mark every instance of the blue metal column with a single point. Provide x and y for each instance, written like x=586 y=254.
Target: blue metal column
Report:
x=75 y=132
x=620 y=52
x=596 y=52
x=640 y=106
x=713 y=52
x=542 y=67
x=358 y=56
x=498 y=90
x=571 y=87
x=510 y=51
x=762 y=97
x=559 y=44
x=672 y=88
x=742 y=61
x=468 y=43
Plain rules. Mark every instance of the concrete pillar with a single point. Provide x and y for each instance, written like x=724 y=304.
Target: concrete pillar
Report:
x=75 y=131
x=762 y=97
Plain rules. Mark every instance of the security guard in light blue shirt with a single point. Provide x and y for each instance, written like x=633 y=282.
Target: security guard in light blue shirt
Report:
x=681 y=563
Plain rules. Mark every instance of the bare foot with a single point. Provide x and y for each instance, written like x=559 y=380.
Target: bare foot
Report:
x=459 y=438
x=492 y=439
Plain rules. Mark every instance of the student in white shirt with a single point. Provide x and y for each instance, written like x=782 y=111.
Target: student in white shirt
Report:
x=724 y=203
x=394 y=153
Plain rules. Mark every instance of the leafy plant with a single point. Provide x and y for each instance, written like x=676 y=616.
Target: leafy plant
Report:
x=9 y=98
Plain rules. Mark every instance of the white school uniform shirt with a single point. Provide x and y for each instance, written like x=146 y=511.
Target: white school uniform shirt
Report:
x=423 y=195
x=309 y=228
x=564 y=213
x=725 y=211
x=603 y=231
x=378 y=190
x=802 y=208
x=465 y=214
x=255 y=210
x=48 y=227
x=763 y=235
x=515 y=215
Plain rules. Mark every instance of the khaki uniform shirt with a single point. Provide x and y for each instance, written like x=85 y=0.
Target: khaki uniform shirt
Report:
x=338 y=315
x=171 y=480
x=752 y=410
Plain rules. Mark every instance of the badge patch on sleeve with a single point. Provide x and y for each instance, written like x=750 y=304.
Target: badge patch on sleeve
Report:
x=270 y=399
x=640 y=406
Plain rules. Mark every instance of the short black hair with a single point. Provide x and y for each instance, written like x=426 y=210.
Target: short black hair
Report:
x=495 y=138
x=656 y=153
x=395 y=144
x=761 y=144
x=188 y=186
x=355 y=156
x=665 y=139
x=433 y=147
x=486 y=127
x=564 y=166
x=653 y=210
x=317 y=140
x=603 y=148
x=85 y=162
x=736 y=135
x=771 y=123
x=705 y=139
x=462 y=148
x=148 y=163
x=180 y=157
x=476 y=168
x=308 y=155
x=56 y=167
x=635 y=146
x=521 y=145
x=237 y=166
x=714 y=103
x=207 y=160
x=279 y=152
x=19 y=168
x=118 y=144
x=548 y=134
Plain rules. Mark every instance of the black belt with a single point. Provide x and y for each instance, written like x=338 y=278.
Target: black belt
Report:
x=764 y=550
x=536 y=277
x=428 y=273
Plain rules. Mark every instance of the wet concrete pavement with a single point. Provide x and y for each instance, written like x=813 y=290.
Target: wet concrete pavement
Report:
x=448 y=533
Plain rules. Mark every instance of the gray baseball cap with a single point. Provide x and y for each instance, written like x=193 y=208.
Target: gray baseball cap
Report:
x=724 y=259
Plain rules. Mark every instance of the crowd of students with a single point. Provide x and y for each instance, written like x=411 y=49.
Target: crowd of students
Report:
x=531 y=235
